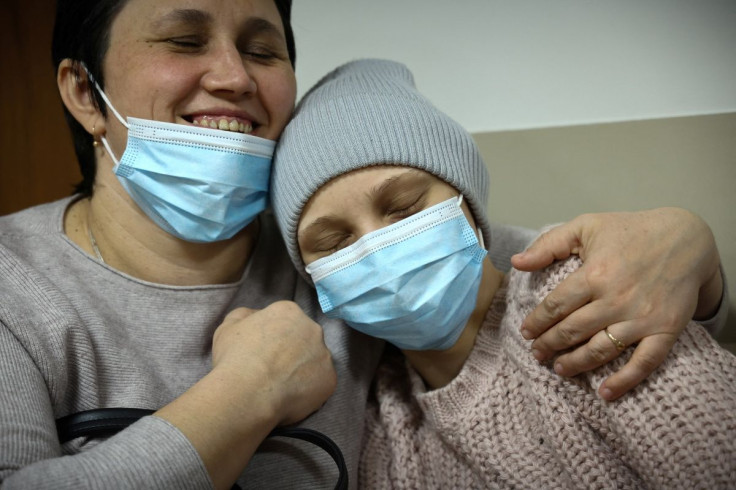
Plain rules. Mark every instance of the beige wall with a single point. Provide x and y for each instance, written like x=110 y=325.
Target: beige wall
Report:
x=549 y=175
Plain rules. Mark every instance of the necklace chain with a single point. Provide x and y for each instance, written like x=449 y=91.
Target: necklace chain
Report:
x=94 y=245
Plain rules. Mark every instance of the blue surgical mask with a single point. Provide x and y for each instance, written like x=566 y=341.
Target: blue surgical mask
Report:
x=199 y=184
x=413 y=283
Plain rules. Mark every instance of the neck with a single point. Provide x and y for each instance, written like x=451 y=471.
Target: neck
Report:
x=131 y=243
x=439 y=367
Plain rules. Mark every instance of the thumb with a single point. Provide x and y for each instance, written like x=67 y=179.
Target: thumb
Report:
x=555 y=244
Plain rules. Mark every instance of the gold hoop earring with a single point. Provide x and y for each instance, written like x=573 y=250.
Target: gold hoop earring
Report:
x=95 y=143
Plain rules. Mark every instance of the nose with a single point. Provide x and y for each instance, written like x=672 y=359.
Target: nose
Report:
x=228 y=73
x=369 y=224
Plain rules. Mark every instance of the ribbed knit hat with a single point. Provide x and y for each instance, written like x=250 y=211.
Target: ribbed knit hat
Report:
x=366 y=113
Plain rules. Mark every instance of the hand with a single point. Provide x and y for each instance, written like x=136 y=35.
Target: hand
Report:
x=269 y=367
x=644 y=276
x=281 y=349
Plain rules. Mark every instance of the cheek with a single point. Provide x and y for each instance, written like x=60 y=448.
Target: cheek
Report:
x=278 y=93
x=151 y=90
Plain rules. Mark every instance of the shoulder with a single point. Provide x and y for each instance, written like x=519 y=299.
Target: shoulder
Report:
x=25 y=230
x=507 y=240
x=36 y=310
x=528 y=289
x=33 y=250
x=39 y=325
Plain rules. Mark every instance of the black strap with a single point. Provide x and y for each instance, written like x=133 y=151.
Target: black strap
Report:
x=318 y=439
x=104 y=422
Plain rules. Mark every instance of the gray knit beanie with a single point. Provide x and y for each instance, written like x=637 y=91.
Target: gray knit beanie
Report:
x=366 y=113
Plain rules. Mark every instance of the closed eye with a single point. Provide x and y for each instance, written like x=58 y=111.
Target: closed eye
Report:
x=186 y=43
x=329 y=244
x=405 y=212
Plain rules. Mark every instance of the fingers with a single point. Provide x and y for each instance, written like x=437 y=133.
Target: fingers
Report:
x=278 y=349
x=599 y=350
x=582 y=326
x=647 y=356
x=569 y=296
x=238 y=314
x=556 y=244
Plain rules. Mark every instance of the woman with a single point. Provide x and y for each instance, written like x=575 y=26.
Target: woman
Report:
x=126 y=313
x=125 y=296
x=387 y=215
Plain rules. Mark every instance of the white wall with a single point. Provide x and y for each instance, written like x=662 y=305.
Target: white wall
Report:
x=495 y=65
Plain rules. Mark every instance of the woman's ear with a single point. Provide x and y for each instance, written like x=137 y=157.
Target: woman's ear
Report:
x=74 y=88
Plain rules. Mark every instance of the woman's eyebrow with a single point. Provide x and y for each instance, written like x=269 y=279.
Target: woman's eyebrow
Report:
x=259 y=25
x=192 y=17
x=200 y=19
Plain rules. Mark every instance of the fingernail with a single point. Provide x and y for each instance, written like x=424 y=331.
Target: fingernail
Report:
x=606 y=394
x=526 y=333
x=559 y=369
x=537 y=354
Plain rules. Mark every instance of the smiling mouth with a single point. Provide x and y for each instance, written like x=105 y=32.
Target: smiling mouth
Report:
x=223 y=123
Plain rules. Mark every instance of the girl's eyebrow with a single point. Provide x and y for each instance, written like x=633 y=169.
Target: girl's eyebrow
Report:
x=319 y=224
x=411 y=177
x=387 y=184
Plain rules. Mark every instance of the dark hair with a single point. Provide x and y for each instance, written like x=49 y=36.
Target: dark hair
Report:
x=82 y=34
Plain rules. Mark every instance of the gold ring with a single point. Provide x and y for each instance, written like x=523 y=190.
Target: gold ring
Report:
x=620 y=346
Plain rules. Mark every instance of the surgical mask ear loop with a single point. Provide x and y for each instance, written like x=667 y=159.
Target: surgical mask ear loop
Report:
x=477 y=230
x=111 y=107
x=104 y=97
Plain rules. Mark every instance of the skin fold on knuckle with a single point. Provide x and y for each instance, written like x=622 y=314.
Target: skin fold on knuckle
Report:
x=552 y=309
x=646 y=362
x=566 y=335
x=596 y=354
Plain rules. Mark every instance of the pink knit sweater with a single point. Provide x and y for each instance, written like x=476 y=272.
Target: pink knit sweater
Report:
x=508 y=422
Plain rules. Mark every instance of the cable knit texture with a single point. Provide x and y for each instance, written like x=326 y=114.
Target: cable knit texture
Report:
x=507 y=421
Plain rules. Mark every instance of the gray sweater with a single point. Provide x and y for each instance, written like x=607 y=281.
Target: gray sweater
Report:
x=77 y=335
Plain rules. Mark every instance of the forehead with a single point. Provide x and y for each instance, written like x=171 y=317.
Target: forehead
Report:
x=363 y=186
x=152 y=13
x=366 y=179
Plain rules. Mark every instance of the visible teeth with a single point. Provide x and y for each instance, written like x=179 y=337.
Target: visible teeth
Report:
x=224 y=124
